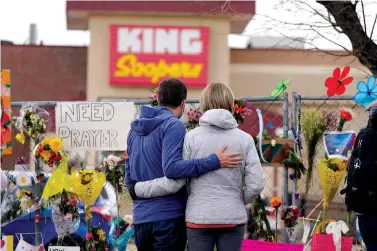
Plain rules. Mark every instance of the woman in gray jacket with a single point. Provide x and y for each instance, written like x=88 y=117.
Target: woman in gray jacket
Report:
x=215 y=212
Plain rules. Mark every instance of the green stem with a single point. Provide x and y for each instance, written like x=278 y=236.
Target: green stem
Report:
x=276 y=225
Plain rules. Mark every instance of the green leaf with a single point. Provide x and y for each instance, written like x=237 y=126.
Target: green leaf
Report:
x=7 y=85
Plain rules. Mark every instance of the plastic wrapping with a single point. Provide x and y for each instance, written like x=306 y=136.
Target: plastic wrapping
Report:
x=120 y=238
x=33 y=120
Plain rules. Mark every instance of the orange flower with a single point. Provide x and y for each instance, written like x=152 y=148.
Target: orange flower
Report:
x=275 y=202
x=239 y=109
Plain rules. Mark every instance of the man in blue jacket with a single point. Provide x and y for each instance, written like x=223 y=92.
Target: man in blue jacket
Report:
x=154 y=150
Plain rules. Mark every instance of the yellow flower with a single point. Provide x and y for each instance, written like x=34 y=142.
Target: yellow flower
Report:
x=46 y=155
x=56 y=144
x=101 y=235
x=46 y=141
x=20 y=137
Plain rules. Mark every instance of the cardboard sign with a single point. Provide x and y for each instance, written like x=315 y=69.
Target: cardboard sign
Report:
x=94 y=126
x=6 y=123
x=251 y=245
x=57 y=248
x=321 y=242
x=145 y=55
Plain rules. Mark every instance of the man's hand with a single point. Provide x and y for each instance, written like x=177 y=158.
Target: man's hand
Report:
x=228 y=160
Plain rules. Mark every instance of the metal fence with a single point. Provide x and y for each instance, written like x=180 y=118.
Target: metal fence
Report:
x=276 y=117
x=330 y=105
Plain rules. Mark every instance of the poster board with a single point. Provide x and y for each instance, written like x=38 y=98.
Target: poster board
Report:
x=251 y=245
x=6 y=123
x=94 y=126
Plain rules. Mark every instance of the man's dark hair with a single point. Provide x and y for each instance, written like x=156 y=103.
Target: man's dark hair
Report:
x=171 y=92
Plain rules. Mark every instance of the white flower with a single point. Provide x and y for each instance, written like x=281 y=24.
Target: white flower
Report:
x=111 y=161
x=23 y=180
x=104 y=162
x=128 y=218
x=273 y=143
x=111 y=167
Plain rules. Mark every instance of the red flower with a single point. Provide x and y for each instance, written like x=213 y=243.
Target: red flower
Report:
x=74 y=203
x=336 y=84
x=346 y=115
x=239 y=109
x=88 y=236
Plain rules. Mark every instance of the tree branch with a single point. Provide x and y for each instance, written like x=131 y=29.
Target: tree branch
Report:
x=345 y=15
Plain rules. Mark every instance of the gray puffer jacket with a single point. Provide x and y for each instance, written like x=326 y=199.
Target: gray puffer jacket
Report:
x=217 y=197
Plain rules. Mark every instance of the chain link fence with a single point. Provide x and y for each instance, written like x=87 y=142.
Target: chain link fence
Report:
x=276 y=120
x=330 y=106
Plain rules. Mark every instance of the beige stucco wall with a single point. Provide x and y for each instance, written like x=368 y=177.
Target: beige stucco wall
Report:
x=98 y=56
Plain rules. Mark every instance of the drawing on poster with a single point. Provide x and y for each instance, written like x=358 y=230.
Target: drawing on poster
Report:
x=94 y=125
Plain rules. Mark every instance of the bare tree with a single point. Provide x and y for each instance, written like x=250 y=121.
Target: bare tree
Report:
x=330 y=21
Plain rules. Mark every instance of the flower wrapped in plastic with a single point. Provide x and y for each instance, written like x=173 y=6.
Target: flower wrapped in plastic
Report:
x=193 y=116
x=114 y=171
x=33 y=121
x=50 y=152
x=241 y=110
x=96 y=240
x=15 y=203
x=121 y=232
x=65 y=214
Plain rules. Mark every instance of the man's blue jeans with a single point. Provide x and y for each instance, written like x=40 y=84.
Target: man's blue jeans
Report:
x=167 y=235
x=368 y=230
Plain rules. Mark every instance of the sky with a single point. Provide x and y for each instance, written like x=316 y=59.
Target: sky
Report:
x=50 y=17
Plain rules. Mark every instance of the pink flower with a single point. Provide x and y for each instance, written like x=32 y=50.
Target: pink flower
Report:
x=88 y=236
x=154 y=96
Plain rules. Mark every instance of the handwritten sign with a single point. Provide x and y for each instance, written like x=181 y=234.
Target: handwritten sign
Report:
x=251 y=245
x=94 y=126
x=57 y=248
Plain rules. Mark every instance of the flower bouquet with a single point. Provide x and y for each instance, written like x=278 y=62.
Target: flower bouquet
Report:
x=240 y=110
x=121 y=232
x=65 y=214
x=114 y=174
x=193 y=118
x=32 y=122
x=289 y=217
x=96 y=240
x=50 y=151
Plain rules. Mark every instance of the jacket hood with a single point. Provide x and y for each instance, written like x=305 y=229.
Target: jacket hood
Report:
x=220 y=118
x=150 y=118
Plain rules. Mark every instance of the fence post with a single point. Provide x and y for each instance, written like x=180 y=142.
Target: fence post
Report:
x=285 y=133
x=294 y=122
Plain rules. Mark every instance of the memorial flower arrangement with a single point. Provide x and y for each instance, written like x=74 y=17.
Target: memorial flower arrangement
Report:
x=193 y=118
x=64 y=203
x=96 y=240
x=240 y=110
x=114 y=172
x=290 y=216
x=314 y=124
x=32 y=124
x=50 y=151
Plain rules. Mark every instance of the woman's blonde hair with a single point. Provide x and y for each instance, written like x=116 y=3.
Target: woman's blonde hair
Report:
x=217 y=96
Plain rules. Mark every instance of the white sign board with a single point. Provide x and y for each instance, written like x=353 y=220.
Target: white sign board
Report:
x=94 y=126
x=57 y=248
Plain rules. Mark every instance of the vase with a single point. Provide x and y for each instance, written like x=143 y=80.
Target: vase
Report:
x=291 y=232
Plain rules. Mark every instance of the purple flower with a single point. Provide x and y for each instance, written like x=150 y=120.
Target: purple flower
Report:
x=292 y=176
x=20 y=160
x=297 y=196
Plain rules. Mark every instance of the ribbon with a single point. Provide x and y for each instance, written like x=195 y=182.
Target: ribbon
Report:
x=336 y=229
x=260 y=135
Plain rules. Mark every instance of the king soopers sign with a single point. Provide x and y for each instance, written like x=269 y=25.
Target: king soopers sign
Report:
x=144 y=55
